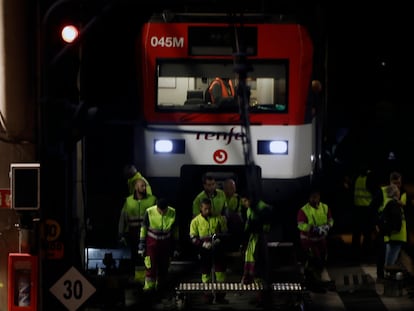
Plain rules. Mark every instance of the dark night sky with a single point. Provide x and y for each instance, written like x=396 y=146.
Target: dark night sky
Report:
x=369 y=61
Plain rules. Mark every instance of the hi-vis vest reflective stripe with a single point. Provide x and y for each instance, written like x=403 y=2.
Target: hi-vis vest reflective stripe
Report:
x=160 y=225
x=362 y=197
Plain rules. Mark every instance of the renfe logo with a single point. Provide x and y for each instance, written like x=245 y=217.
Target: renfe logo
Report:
x=220 y=136
x=220 y=156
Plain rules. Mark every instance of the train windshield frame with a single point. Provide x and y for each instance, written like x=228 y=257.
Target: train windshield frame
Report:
x=181 y=85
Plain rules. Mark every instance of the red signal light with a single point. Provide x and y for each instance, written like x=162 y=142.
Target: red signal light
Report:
x=69 y=33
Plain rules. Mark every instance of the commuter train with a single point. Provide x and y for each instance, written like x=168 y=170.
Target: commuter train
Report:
x=183 y=135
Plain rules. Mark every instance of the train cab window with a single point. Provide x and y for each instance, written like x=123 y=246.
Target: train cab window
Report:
x=182 y=86
x=194 y=97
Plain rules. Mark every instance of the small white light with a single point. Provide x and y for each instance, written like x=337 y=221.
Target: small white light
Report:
x=278 y=146
x=69 y=33
x=163 y=146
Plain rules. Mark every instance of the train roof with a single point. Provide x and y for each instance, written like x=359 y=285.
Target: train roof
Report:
x=221 y=17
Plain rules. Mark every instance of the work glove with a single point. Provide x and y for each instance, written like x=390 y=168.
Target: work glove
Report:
x=141 y=252
x=141 y=249
x=323 y=230
x=206 y=245
x=326 y=228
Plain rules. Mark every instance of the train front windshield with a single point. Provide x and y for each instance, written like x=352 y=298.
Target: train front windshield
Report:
x=182 y=85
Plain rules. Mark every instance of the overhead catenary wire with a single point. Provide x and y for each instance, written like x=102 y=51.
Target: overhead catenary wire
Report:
x=241 y=67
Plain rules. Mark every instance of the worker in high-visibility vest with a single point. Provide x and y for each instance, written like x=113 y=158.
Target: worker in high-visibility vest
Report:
x=207 y=232
x=158 y=244
x=130 y=220
x=257 y=227
x=395 y=226
x=363 y=214
x=314 y=221
x=380 y=200
x=210 y=191
x=235 y=214
x=256 y=267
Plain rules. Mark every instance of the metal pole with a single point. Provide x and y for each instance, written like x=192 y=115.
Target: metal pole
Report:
x=213 y=270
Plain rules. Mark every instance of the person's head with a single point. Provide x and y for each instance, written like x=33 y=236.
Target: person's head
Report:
x=129 y=171
x=205 y=207
x=229 y=187
x=162 y=205
x=314 y=197
x=140 y=187
x=209 y=184
x=396 y=179
x=393 y=191
x=245 y=201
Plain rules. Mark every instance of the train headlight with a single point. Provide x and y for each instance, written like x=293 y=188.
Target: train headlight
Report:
x=272 y=147
x=163 y=146
x=169 y=146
